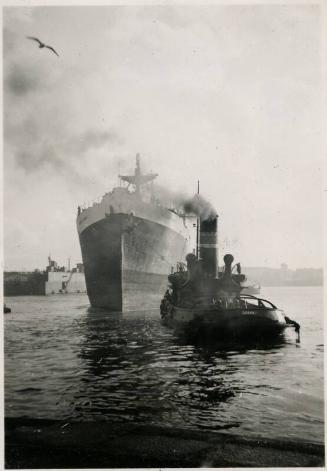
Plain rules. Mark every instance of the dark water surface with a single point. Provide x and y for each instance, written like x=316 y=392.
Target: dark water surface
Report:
x=63 y=361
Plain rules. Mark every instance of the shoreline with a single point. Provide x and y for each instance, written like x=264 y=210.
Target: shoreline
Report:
x=42 y=444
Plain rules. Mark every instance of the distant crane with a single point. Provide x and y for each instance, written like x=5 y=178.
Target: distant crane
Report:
x=66 y=283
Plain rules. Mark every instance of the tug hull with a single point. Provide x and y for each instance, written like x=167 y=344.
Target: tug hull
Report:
x=226 y=322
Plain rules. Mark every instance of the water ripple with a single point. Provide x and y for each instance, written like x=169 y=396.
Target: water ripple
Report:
x=63 y=360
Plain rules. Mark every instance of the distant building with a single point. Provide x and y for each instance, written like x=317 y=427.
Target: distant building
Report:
x=283 y=276
x=307 y=277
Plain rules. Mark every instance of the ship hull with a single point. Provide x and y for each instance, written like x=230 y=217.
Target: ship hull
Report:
x=127 y=260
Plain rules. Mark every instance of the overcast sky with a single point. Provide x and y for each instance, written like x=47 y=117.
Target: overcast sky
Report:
x=229 y=95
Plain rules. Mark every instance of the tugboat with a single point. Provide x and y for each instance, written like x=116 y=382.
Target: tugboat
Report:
x=201 y=300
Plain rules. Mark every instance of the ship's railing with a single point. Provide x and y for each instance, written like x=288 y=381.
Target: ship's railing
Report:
x=97 y=200
x=89 y=204
x=260 y=301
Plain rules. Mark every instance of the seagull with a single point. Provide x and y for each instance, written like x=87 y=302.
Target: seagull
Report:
x=42 y=44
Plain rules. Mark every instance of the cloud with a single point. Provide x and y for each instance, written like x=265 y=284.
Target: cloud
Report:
x=93 y=138
x=39 y=151
x=217 y=94
x=9 y=41
x=21 y=80
x=45 y=126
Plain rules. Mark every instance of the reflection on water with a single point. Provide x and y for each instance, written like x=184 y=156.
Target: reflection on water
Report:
x=64 y=360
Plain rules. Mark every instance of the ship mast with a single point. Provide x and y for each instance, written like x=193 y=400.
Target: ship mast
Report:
x=138 y=179
x=197 y=228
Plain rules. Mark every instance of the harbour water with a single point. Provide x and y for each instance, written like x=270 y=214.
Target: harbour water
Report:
x=66 y=361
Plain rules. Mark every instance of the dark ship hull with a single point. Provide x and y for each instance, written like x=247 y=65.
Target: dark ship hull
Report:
x=127 y=259
x=221 y=323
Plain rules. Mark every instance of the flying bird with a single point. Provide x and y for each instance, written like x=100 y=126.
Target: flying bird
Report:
x=41 y=44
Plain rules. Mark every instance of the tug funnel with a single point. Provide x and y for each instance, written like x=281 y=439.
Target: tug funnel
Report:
x=208 y=248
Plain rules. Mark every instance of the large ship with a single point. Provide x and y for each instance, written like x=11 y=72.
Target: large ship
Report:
x=130 y=241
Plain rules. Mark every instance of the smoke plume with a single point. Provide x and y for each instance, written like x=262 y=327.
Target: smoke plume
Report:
x=169 y=197
x=195 y=204
x=200 y=207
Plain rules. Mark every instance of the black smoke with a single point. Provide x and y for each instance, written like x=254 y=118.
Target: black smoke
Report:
x=200 y=207
x=193 y=205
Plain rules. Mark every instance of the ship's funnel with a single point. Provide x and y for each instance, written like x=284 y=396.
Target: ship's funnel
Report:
x=208 y=248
